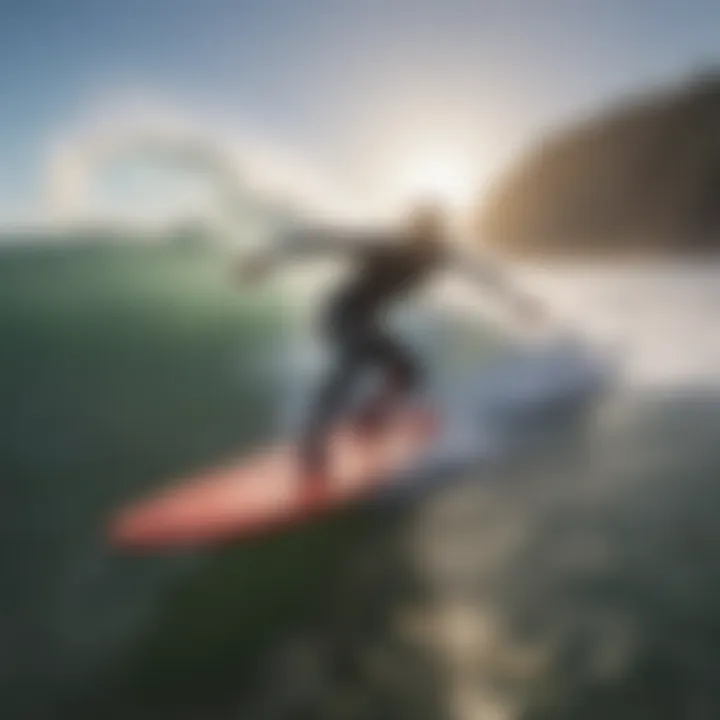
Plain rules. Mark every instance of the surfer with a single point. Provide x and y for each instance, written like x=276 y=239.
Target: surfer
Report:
x=387 y=265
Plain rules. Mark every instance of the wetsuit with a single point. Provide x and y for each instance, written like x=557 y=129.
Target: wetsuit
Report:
x=353 y=324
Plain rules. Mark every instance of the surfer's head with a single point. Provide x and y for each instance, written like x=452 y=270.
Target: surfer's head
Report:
x=426 y=224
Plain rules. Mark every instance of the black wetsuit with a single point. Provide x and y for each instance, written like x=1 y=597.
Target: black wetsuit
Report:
x=353 y=324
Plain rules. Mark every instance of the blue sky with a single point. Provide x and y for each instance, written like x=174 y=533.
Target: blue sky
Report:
x=332 y=77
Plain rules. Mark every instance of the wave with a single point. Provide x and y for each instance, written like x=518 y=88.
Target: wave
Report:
x=253 y=181
x=660 y=318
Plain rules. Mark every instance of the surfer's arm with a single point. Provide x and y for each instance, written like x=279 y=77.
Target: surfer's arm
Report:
x=311 y=243
x=493 y=278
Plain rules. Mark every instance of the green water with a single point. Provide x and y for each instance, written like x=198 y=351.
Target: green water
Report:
x=123 y=367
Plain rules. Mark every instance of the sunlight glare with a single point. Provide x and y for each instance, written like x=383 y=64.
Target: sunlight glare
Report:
x=450 y=177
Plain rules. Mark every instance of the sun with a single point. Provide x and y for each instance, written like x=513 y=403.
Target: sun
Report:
x=449 y=181
x=448 y=177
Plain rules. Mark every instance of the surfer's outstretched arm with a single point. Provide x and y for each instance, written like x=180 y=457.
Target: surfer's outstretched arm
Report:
x=491 y=277
x=303 y=244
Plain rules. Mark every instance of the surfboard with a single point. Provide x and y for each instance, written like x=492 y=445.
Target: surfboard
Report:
x=268 y=491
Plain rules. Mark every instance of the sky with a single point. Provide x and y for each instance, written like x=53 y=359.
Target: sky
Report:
x=379 y=95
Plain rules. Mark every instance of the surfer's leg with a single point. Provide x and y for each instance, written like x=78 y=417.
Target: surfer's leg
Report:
x=328 y=405
x=402 y=376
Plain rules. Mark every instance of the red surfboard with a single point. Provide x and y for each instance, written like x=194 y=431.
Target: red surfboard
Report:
x=268 y=490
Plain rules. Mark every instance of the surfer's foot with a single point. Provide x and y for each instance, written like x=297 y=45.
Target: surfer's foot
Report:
x=371 y=420
x=381 y=408
x=313 y=466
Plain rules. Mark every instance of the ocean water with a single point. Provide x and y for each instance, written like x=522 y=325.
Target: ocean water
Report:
x=575 y=577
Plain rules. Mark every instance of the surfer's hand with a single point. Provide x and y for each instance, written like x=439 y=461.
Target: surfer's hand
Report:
x=531 y=312
x=252 y=268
